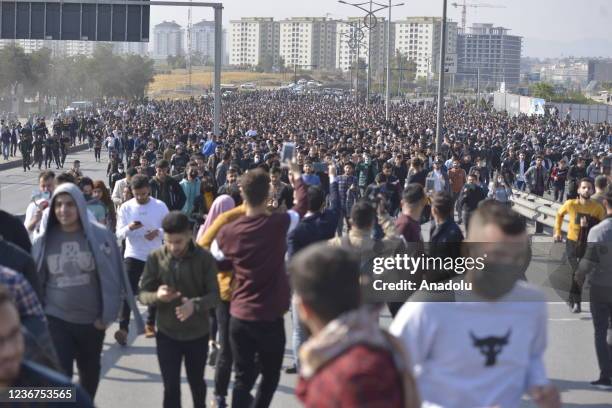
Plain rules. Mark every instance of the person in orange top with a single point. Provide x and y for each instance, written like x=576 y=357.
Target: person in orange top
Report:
x=221 y=213
x=457 y=179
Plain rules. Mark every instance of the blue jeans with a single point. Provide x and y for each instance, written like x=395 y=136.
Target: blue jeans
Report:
x=299 y=333
x=521 y=185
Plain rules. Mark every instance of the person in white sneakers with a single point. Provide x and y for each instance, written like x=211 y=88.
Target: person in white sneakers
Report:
x=139 y=222
x=486 y=349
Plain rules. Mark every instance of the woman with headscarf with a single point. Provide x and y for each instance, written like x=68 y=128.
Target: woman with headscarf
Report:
x=221 y=213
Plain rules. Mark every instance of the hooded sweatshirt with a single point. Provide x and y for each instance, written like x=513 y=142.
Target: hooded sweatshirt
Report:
x=101 y=257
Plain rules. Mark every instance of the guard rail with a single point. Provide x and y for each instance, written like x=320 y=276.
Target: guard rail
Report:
x=537 y=209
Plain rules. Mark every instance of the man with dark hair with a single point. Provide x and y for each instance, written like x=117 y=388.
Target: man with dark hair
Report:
x=222 y=168
x=583 y=213
x=537 y=177
x=18 y=372
x=319 y=224
x=81 y=273
x=281 y=194
x=596 y=263
x=468 y=200
x=367 y=367
x=166 y=188
x=601 y=184
x=180 y=278
x=231 y=180
x=446 y=237
x=348 y=192
x=261 y=291
x=117 y=195
x=408 y=223
x=139 y=223
x=40 y=201
x=487 y=349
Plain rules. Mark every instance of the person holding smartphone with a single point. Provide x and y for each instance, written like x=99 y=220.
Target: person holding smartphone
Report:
x=139 y=222
x=181 y=279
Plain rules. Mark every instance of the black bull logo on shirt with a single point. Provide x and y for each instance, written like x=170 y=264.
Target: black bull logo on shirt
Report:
x=490 y=346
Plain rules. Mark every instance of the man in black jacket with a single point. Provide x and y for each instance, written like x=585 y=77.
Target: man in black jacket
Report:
x=469 y=198
x=13 y=230
x=319 y=224
x=166 y=188
x=446 y=237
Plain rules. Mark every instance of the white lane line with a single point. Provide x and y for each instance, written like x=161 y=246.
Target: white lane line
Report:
x=567 y=319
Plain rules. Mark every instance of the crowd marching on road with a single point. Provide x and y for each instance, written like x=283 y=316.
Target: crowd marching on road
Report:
x=287 y=210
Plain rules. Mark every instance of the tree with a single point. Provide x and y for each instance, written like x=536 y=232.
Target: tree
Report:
x=138 y=73
x=14 y=69
x=543 y=90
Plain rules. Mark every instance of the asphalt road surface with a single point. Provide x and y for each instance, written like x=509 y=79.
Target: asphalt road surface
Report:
x=131 y=376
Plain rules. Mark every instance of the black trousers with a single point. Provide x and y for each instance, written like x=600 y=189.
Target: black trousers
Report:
x=134 y=269
x=575 y=293
x=267 y=340
x=601 y=311
x=170 y=355
x=82 y=342
x=223 y=366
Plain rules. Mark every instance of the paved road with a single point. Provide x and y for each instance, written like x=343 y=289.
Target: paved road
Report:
x=130 y=375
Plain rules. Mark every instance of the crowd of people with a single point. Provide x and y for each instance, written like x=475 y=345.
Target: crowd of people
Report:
x=219 y=236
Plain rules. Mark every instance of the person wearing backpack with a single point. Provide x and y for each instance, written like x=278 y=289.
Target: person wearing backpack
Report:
x=359 y=239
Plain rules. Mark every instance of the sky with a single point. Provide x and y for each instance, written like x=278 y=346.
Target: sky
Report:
x=559 y=21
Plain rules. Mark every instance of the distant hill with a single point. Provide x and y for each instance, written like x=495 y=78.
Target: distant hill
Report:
x=588 y=47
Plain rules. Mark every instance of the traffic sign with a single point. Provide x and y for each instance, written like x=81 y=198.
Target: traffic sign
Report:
x=450 y=64
x=89 y=20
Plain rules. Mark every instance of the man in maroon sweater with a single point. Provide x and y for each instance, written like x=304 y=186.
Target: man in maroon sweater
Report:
x=349 y=361
x=254 y=246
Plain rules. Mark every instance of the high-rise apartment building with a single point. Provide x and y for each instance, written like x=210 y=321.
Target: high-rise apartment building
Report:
x=167 y=40
x=489 y=55
x=203 y=38
x=347 y=55
x=254 y=41
x=418 y=38
x=308 y=43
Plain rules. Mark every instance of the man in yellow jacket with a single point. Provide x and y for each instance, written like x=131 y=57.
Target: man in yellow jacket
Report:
x=583 y=213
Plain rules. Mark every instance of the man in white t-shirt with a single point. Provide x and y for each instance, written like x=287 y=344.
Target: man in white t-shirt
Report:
x=486 y=349
x=139 y=222
x=36 y=207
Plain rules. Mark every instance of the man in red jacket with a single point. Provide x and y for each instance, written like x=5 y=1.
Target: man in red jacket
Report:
x=349 y=361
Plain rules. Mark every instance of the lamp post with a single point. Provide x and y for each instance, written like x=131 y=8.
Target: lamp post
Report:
x=441 y=80
x=370 y=21
x=389 y=51
x=354 y=41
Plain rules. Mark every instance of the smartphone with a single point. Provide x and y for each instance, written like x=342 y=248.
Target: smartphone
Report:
x=287 y=152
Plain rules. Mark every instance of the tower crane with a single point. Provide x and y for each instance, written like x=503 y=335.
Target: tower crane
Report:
x=465 y=5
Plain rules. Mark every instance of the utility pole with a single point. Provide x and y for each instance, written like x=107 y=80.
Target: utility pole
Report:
x=389 y=51
x=370 y=21
x=189 y=27
x=441 y=80
x=218 y=45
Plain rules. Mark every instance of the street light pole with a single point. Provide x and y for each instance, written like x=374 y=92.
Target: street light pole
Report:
x=441 y=80
x=389 y=50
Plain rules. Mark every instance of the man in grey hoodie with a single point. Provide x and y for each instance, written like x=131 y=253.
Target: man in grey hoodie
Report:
x=82 y=283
